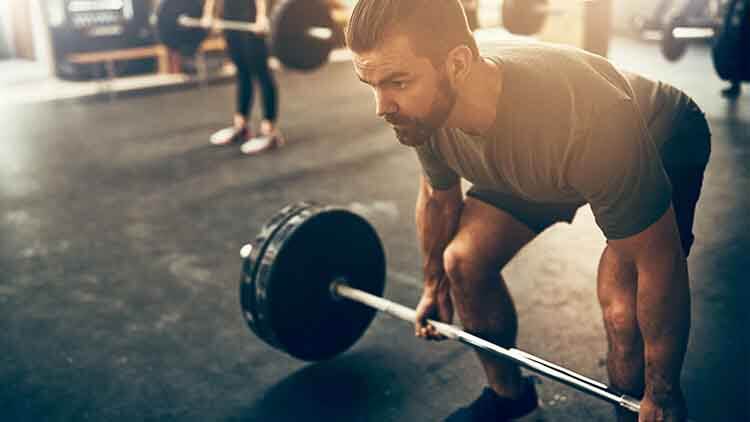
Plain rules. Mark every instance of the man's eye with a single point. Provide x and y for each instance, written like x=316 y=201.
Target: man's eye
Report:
x=399 y=84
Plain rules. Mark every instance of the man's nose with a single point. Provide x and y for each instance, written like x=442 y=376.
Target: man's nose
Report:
x=384 y=105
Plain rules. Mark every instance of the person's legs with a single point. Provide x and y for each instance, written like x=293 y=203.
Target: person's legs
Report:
x=237 y=49
x=685 y=158
x=269 y=134
x=486 y=240
x=493 y=227
x=262 y=72
x=239 y=46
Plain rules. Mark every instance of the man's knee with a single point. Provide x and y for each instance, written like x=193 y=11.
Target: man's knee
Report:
x=464 y=267
x=622 y=328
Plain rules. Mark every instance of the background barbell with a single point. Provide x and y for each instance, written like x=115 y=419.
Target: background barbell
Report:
x=301 y=35
x=726 y=27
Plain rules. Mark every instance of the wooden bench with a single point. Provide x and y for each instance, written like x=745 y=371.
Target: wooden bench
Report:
x=167 y=61
x=109 y=57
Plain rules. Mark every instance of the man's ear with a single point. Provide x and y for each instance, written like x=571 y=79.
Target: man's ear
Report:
x=459 y=62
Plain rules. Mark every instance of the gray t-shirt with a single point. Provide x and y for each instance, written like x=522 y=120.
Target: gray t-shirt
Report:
x=570 y=129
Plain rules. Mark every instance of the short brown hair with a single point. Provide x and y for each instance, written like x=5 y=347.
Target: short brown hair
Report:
x=435 y=27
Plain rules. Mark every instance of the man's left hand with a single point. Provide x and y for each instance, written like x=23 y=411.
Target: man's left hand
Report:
x=666 y=411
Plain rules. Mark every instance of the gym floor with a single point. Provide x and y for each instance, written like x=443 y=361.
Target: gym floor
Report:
x=119 y=263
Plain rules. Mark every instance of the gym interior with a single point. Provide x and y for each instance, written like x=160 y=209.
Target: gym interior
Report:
x=124 y=233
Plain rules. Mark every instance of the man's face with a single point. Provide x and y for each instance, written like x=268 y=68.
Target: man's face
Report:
x=410 y=94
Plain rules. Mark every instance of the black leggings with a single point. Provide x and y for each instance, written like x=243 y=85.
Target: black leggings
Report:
x=250 y=56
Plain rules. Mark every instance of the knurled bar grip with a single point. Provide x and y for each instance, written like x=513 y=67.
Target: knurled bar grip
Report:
x=522 y=358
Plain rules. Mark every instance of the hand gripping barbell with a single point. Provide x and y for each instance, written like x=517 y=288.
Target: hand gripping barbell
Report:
x=301 y=33
x=311 y=269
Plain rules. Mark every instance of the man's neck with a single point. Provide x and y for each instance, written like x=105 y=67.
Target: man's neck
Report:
x=476 y=106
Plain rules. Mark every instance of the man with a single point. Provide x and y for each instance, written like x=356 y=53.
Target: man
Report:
x=540 y=130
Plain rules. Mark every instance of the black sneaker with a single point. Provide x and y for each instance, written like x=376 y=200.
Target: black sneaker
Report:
x=733 y=91
x=490 y=407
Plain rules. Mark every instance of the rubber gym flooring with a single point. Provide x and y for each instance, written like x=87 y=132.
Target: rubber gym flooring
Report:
x=120 y=230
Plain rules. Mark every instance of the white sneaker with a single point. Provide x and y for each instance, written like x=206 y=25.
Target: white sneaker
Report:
x=228 y=135
x=262 y=143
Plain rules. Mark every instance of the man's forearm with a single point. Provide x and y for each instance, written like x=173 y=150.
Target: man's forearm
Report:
x=663 y=308
x=437 y=217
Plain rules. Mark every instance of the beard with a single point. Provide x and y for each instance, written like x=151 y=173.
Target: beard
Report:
x=414 y=132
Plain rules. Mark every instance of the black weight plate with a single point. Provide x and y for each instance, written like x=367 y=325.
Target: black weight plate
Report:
x=289 y=39
x=672 y=48
x=294 y=304
x=523 y=17
x=249 y=267
x=185 y=40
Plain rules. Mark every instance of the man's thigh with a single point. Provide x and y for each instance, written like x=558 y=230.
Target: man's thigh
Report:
x=488 y=235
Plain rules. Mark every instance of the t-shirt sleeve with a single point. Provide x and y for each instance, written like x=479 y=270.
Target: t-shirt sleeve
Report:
x=620 y=173
x=438 y=174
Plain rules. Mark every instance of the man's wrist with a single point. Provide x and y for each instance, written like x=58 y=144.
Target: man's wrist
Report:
x=663 y=394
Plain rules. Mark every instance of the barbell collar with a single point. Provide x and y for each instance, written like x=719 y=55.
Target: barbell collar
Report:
x=246 y=250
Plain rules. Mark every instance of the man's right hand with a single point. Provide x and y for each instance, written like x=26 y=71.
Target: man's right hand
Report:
x=435 y=304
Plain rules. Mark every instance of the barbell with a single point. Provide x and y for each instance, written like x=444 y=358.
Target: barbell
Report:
x=301 y=34
x=678 y=34
x=313 y=279
x=729 y=33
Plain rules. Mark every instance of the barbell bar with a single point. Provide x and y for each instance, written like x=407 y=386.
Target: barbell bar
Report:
x=313 y=280
x=319 y=32
x=693 y=33
x=527 y=360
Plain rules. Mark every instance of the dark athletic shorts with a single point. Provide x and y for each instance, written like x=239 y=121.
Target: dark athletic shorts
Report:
x=684 y=156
